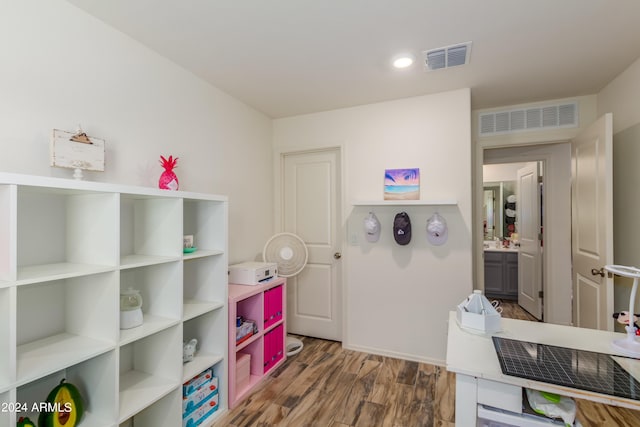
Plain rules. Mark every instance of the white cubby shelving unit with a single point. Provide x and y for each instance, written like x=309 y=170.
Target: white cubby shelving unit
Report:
x=67 y=249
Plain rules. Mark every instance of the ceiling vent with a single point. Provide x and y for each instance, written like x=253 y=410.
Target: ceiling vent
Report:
x=445 y=57
x=545 y=117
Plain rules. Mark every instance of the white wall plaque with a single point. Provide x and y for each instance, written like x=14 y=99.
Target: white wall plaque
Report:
x=69 y=153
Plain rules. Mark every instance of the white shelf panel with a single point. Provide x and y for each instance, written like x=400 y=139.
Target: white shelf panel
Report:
x=91 y=419
x=88 y=418
x=64 y=270
x=139 y=390
x=194 y=308
x=445 y=202
x=150 y=325
x=510 y=418
x=248 y=341
x=273 y=326
x=135 y=260
x=201 y=253
x=200 y=363
x=48 y=355
x=207 y=422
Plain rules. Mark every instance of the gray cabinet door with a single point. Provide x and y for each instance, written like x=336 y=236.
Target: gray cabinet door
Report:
x=493 y=274
x=511 y=275
x=501 y=275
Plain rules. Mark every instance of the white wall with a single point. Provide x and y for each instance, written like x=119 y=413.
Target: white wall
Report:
x=61 y=67
x=397 y=297
x=622 y=98
x=501 y=172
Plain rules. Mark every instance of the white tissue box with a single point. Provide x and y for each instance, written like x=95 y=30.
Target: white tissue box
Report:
x=487 y=322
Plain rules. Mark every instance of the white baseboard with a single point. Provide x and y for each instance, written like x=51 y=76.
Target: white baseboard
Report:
x=394 y=354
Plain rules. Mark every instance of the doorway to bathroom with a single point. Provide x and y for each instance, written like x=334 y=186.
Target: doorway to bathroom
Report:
x=513 y=233
x=552 y=271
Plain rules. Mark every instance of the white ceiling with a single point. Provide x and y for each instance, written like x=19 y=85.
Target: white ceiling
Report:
x=290 y=57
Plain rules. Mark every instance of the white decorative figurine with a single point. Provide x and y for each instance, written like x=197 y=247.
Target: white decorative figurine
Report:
x=189 y=350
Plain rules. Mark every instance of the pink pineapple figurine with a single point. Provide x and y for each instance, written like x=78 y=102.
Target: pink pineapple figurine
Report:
x=168 y=180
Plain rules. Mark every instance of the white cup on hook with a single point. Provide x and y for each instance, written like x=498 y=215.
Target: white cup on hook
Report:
x=437 y=231
x=372 y=228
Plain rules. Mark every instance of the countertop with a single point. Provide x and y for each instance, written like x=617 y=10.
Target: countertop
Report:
x=472 y=353
x=500 y=249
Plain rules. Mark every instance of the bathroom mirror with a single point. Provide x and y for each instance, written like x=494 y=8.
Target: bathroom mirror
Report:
x=488 y=209
x=495 y=196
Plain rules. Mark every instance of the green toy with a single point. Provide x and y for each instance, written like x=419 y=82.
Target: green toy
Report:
x=25 y=422
x=65 y=407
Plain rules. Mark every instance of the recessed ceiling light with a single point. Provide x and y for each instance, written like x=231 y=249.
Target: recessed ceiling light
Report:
x=403 y=61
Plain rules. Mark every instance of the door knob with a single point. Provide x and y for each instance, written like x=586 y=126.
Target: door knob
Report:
x=596 y=272
x=337 y=255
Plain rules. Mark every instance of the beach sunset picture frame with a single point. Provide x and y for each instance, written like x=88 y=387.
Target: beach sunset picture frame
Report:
x=402 y=184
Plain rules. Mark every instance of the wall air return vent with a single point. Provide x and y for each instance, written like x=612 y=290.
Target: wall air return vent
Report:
x=545 y=117
x=445 y=57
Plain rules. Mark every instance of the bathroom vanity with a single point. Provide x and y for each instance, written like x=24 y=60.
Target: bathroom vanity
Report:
x=501 y=273
x=485 y=394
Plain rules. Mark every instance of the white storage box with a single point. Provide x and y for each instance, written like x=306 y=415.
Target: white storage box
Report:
x=205 y=391
x=194 y=383
x=204 y=410
x=476 y=312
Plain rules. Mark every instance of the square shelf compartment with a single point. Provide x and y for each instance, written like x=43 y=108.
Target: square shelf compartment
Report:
x=256 y=366
x=207 y=329
x=205 y=220
x=218 y=371
x=77 y=235
x=159 y=287
x=252 y=308
x=150 y=230
x=64 y=322
x=163 y=413
x=204 y=286
x=95 y=380
x=149 y=370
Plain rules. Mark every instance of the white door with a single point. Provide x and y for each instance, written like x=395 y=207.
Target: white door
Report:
x=592 y=224
x=529 y=256
x=311 y=209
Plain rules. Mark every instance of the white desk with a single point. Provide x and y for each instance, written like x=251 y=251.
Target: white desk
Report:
x=479 y=379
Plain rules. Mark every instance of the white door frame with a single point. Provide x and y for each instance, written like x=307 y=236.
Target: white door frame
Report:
x=278 y=156
x=558 y=298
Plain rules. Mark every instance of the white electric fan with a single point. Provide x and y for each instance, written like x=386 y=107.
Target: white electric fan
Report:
x=628 y=346
x=290 y=253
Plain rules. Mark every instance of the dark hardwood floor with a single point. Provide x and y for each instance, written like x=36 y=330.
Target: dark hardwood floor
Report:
x=326 y=385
